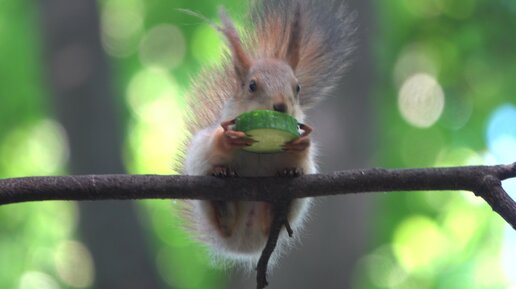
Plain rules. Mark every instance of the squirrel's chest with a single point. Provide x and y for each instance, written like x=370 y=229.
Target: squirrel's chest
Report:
x=252 y=164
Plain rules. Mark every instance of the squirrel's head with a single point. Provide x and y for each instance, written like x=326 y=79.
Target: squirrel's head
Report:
x=266 y=83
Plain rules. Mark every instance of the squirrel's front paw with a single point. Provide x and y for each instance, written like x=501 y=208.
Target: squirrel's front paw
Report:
x=297 y=145
x=232 y=139
x=300 y=144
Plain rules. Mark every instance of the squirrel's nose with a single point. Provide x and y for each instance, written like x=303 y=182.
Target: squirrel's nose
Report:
x=280 y=107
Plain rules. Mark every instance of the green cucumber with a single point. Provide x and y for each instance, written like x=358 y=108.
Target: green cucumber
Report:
x=271 y=129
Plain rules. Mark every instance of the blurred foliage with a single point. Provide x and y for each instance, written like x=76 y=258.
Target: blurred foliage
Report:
x=456 y=62
x=445 y=97
x=33 y=237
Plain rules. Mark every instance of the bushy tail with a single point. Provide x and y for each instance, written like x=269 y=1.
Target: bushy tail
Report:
x=326 y=29
x=327 y=40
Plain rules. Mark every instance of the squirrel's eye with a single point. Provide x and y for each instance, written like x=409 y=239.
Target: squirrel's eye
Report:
x=298 y=88
x=252 y=86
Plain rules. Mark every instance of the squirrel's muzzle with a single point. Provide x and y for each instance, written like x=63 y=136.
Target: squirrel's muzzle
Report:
x=280 y=107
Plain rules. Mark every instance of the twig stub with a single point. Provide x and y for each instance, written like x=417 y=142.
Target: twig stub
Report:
x=280 y=212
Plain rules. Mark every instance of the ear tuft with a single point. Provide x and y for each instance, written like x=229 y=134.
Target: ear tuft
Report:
x=294 y=43
x=241 y=61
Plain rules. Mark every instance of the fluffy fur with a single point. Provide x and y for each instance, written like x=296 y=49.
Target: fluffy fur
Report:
x=327 y=45
x=286 y=43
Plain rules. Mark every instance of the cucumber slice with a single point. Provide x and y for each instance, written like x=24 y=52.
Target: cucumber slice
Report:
x=271 y=129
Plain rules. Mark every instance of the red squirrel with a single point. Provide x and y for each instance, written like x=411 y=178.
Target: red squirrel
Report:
x=293 y=54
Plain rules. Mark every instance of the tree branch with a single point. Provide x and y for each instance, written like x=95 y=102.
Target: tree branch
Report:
x=484 y=181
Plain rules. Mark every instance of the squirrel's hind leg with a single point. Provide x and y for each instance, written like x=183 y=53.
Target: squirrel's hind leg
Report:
x=225 y=216
x=225 y=213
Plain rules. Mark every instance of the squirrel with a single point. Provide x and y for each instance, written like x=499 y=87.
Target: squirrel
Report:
x=293 y=54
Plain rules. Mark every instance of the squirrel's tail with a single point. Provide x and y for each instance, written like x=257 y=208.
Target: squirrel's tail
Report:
x=324 y=39
x=327 y=40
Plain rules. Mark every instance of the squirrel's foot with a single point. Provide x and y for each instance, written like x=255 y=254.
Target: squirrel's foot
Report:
x=223 y=172
x=291 y=172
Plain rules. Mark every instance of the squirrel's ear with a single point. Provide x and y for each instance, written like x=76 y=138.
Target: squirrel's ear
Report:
x=294 y=42
x=241 y=61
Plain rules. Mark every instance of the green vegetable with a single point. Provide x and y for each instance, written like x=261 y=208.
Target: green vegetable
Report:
x=269 y=128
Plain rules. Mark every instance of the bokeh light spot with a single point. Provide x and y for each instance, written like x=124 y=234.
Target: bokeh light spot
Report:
x=382 y=268
x=74 y=264
x=501 y=141
x=166 y=228
x=158 y=130
x=488 y=273
x=421 y=100
x=458 y=156
x=461 y=224
x=163 y=46
x=148 y=86
x=412 y=241
x=414 y=58
x=37 y=280
x=501 y=133
x=508 y=255
x=38 y=150
x=457 y=112
x=206 y=45
x=121 y=26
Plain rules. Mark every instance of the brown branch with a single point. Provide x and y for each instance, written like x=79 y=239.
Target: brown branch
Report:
x=484 y=181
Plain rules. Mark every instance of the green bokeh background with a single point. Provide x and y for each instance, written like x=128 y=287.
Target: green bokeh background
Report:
x=420 y=240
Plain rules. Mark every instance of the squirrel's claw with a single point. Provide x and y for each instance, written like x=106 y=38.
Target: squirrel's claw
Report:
x=306 y=129
x=223 y=172
x=290 y=172
x=234 y=134
x=237 y=139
